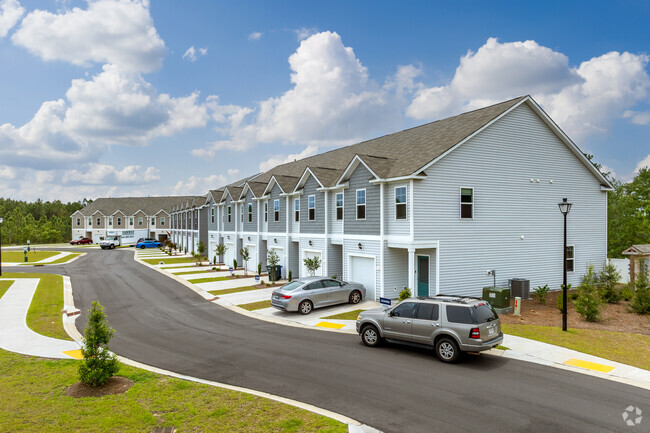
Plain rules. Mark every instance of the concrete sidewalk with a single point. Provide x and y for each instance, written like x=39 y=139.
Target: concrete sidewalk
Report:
x=16 y=336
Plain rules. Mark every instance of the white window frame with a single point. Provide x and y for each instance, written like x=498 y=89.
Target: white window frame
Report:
x=229 y=214
x=250 y=212
x=162 y=221
x=99 y=221
x=153 y=221
x=110 y=221
x=405 y=204
x=296 y=210
x=119 y=221
x=460 y=207
x=276 y=210
x=241 y=212
x=365 y=204
x=78 y=222
x=140 y=221
x=311 y=206
x=131 y=221
x=212 y=213
x=572 y=259
x=90 y=221
x=337 y=207
x=266 y=211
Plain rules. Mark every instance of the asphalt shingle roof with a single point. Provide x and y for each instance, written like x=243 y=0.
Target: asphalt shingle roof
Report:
x=130 y=205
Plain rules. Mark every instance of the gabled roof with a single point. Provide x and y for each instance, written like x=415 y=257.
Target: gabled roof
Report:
x=635 y=250
x=130 y=205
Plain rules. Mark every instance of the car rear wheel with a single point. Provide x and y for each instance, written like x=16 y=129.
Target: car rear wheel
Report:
x=305 y=307
x=355 y=297
x=142 y=247
x=447 y=350
x=370 y=336
x=112 y=246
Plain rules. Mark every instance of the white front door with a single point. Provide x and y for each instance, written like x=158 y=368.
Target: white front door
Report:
x=230 y=254
x=251 y=266
x=280 y=252
x=307 y=254
x=362 y=270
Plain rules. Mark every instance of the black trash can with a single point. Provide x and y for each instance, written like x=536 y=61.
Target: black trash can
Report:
x=520 y=287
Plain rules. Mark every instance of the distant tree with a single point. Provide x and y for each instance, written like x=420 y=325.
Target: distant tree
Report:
x=628 y=213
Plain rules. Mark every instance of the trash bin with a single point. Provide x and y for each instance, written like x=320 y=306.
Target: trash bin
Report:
x=520 y=288
x=498 y=297
x=275 y=272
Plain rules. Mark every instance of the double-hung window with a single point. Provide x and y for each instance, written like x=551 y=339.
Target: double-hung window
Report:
x=250 y=212
x=212 y=215
x=162 y=221
x=361 y=204
x=99 y=221
x=276 y=210
x=570 y=258
x=90 y=221
x=400 y=203
x=153 y=221
x=467 y=203
x=229 y=214
x=140 y=221
x=119 y=221
x=339 y=206
x=241 y=213
x=78 y=222
x=266 y=211
x=296 y=208
x=311 y=205
x=131 y=221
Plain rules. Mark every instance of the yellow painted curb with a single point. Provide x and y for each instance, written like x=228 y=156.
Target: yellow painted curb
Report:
x=589 y=365
x=330 y=325
x=76 y=354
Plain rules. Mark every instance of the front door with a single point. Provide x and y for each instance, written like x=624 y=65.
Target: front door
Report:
x=423 y=275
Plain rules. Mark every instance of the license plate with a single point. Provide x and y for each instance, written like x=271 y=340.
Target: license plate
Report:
x=276 y=297
x=492 y=331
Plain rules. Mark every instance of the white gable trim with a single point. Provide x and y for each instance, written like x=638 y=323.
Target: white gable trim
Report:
x=305 y=176
x=269 y=187
x=353 y=166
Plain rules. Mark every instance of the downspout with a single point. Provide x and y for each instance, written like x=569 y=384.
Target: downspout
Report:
x=382 y=230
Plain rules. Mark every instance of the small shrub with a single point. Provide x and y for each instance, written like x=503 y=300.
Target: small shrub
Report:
x=607 y=280
x=262 y=282
x=214 y=268
x=572 y=297
x=214 y=260
x=626 y=293
x=588 y=303
x=641 y=300
x=259 y=269
x=334 y=276
x=98 y=364
x=404 y=294
x=540 y=293
x=234 y=264
x=559 y=301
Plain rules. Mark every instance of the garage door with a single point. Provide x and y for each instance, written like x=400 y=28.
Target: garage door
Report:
x=362 y=270
x=252 y=262
x=310 y=255
x=230 y=254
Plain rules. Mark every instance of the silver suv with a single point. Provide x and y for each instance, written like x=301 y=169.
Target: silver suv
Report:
x=449 y=324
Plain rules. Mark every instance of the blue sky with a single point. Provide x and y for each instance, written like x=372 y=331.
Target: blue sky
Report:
x=110 y=98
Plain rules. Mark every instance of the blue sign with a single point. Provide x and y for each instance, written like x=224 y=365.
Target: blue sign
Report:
x=257 y=278
x=384 y=301
x=230 y=269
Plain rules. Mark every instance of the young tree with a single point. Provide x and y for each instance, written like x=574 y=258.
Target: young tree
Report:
x=201 y=248
x=607 y=279
x=272 y=259
x=312 y=264
x=245 y=256
x=98 y=364
x=220 y=250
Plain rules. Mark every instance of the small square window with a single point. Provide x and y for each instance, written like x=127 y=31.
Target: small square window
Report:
x=339 y=206
x=400 y=203
x=361 y=204
x=467 y=203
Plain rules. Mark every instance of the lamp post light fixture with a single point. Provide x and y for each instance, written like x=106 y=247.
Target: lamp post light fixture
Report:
x=565 y=208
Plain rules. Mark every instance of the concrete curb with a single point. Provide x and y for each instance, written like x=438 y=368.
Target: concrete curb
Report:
x=45 y=264
x=354 y=426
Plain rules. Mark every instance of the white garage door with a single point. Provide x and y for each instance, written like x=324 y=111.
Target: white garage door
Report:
x=252 y=262
x=362 y=270
x=310 y=255
x=230 y=254
x=280 y=252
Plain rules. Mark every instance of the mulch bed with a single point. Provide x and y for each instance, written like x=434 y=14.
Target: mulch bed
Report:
x=614 y=317
x=114 y=385
x=264 y=286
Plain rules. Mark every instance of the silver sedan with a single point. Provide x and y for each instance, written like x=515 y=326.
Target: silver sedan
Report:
x=305 y=294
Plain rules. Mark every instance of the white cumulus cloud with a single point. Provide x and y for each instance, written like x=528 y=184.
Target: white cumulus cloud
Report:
x=7 y=172
x=197 y=185
x=120 y=32
x=104 y=174
x=255 y=36
x=279 y=159
x=10 y=13
x=638 y=117
x=192 y=54
x=644 y=163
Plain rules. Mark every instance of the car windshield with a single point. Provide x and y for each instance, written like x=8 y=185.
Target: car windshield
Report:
x=485 y=313
x=292 y=285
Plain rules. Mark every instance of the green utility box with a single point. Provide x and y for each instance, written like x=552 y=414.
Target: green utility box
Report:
x=498 y=297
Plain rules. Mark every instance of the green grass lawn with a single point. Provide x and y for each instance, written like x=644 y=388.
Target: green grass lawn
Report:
x=169 y=261
x=233 y=290
x=4 y=286
x=627 y=348
x=199 y=271
x=19 y=256
x=34 y=400
x=44 y=315
x=350 y=315
x=208 y=280
x=66 y=258
x=256 y=305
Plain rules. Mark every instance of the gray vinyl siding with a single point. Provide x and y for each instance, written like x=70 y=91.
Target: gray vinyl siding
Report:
x=203 y=227
x=335 y=260
x=250 y=226
x=294 y=226
x=370 y=248
x=393 y=225
x=318 y=224
x=336 y=227
x=229 y=226
x=281 y=225
x=499 y=164
x=395 y=271
x=212 y=226
x=293 y=260
x=369 y=226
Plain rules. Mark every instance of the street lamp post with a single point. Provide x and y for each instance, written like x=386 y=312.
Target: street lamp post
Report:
x=565 y=208
x=1 y=246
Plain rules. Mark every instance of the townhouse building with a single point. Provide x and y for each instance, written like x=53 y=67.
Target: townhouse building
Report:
x=431 y=208
x=139 y=217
